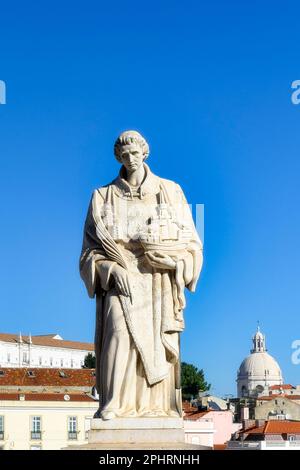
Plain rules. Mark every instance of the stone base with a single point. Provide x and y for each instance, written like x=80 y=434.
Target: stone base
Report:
x=137 y=431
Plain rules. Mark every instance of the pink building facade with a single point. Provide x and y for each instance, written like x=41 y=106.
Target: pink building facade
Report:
x=209 y=428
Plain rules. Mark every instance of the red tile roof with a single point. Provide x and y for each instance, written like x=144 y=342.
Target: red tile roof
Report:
x=220 y=446
x=47 y=340
x=283 y=386
x=9 y=396
x=273 y=427
x=254 y=430
x=280 y=395
x=47 y=397
x=187 y=407
x=282 y=427
x=195 y=415
x=47 y=377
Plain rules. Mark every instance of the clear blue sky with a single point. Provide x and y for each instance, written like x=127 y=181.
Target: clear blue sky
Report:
x=208 y=84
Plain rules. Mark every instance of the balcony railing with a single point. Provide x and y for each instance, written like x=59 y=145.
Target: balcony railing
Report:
x=36 y=435
x=279 y=443
x=1 y=435
x=72 y=435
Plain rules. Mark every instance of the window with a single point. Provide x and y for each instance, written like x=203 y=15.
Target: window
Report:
x=30 y=373
x=72 y=427
x=292 y=438
x=25 y=357
x=72 y=363
x=8 y=357
x=51 y=361
x=1 y=428
x=40 y=360
x=2 y=373
x=281 y=417
x=36 y=427
x=61 y=363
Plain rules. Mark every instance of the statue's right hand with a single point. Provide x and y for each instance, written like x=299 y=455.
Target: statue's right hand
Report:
x=122 y=281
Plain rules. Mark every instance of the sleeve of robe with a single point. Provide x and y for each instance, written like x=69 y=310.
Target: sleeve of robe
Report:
x=95 y=267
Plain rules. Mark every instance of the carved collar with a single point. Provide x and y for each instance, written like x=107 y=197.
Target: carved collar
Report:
x=150 y=185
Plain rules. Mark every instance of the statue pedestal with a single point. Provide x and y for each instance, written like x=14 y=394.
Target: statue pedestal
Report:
x=137 y=434
x=137 y=431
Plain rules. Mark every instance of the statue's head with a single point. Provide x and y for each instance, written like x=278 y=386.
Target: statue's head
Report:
x=131 y=149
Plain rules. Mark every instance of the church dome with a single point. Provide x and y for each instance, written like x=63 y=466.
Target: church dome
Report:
x=259 y=370
x=260 y=364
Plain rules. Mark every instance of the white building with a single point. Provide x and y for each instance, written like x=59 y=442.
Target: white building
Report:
x=42 y=351
x=268 y=435
x=45 y=421
x=258 y=371
x=45 y=408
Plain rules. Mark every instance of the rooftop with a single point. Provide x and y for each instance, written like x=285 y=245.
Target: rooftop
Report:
x=32 y=396
x=279 y=395
x=50 y=340
x=282 y=427
x=282 y=386
x=273 y=427
x=46 y=377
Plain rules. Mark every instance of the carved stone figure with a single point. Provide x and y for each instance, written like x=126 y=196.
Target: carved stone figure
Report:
x=140 y=251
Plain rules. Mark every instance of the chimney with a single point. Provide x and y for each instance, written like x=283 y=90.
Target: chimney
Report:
x=244 y=413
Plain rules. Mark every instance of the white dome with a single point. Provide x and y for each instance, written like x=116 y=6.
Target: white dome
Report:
x=258 y=371
x=260 y=366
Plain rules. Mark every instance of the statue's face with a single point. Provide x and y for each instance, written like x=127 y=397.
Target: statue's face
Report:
x=132 y=157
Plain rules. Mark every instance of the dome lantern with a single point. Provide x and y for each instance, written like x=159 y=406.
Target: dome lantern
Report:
x=259 y=342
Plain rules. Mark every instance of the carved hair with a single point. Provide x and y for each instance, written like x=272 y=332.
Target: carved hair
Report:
x=130 y=137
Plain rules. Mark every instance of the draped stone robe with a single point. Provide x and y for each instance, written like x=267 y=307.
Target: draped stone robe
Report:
x=137 y=339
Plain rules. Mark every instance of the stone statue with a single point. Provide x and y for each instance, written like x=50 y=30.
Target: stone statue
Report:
x=140 y=250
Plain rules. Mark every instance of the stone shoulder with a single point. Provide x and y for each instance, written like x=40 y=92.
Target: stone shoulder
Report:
x=102 y=190
x=170 y=184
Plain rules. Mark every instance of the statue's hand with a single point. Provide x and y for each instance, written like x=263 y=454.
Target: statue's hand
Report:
x=122 y=281
x=160 y=260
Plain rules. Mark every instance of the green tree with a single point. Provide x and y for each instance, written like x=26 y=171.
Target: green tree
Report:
x=192 y=381
x=89 y=361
